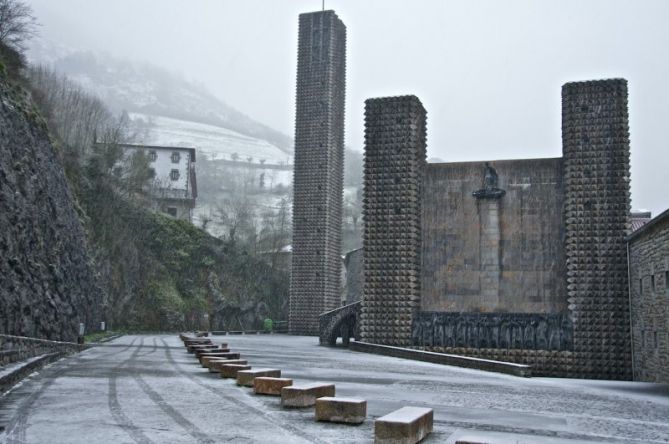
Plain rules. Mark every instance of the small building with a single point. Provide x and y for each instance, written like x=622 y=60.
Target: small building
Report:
x=648 y=249
x=174 y=186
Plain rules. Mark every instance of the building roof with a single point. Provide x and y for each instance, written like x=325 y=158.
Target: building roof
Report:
x=647 y=225
x=158 y=147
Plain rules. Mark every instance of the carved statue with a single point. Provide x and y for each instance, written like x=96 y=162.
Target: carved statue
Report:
x=490 y=188
x=489 y=178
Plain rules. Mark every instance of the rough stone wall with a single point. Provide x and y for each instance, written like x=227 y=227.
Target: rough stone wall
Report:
x=395 y=137
x=318 y=172
x=530 y=250
x=649 y=277
x=46 y=280
x=19 y=348
x=595 y=137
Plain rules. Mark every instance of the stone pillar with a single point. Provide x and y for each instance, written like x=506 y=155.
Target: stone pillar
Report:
x=595 y=137
x=319 y=172
x=395 y=134
x=489 y=253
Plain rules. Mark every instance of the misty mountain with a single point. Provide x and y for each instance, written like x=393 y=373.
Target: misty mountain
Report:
x=149 y=90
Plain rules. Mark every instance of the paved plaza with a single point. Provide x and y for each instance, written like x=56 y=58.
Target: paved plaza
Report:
x=148 y=389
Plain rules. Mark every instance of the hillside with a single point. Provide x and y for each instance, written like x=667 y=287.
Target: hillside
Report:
x=146 y=89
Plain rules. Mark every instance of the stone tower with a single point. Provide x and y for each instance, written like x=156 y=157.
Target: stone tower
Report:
x=595 y=137
x=318 y=174
x=395 y=153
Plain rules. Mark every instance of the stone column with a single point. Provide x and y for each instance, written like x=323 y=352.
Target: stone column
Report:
x=489 y=251
x=395 y=131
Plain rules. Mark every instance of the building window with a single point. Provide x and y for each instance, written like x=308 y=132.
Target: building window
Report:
x=172 y=211
x=152 y=156
x=176 y=157
x=666 y=280
x=652 y=283
x=657 y=345
x=174 y=174
x=152 y=173
x=643 y=338
x=641 y=286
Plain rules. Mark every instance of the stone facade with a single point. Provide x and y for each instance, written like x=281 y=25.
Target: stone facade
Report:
x=395 y=137
x=318 y=173
x=502 y=254
x=595 y=137
x=353 y=276
x=649 y=288
x=520 y=260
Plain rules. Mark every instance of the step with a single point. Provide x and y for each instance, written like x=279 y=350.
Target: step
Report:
x=215 y=365
x=305 y=395
x=246 y=377
x=230 y=370
x=346 y=410
x=267 y=385
x=227 y=355
x=205 y=359
x=407 y=425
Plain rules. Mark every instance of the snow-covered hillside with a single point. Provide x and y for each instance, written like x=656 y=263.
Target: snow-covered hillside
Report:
x=212 y=141
x=146 y=89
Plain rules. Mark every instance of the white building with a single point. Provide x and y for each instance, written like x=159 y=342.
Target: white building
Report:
x=174 y=187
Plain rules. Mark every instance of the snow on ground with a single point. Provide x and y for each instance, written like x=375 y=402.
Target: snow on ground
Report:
x=214 y=142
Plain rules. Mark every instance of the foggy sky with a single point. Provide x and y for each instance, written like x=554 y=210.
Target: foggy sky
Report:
x=488 y=72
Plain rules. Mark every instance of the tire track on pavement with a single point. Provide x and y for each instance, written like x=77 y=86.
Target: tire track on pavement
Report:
x=115 y=409
x=240 y=402
x=16 y=429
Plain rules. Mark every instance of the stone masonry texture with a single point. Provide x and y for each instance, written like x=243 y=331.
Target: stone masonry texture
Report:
x=530 y=251
x=595 y=137
x=395 y=144
x=318 y=173
x=649 y=276
x=47 y=284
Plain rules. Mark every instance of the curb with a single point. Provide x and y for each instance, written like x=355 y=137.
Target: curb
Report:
x=20 y=370
x=508 y=368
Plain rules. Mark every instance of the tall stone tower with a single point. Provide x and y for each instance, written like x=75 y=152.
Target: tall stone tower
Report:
x=319 y=171
x=395 y=132
x=595 y=137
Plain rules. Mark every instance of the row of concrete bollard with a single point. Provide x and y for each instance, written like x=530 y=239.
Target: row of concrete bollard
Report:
x=407 y=425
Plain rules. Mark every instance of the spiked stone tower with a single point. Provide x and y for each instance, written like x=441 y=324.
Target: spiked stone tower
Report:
x=595 y=137
x=395 y=133
x=319 y=173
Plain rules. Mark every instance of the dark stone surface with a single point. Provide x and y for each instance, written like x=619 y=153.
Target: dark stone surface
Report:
x=47 y=284
x=595 y=137
x=355 y=278
x=649 y=275
x=395 y=143
x=318 y=174
x=341 y=322
x=526 y=331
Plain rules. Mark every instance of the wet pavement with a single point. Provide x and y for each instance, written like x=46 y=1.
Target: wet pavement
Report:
x=148 y=389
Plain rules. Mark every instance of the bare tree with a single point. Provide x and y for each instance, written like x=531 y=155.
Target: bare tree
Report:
x=17 y=24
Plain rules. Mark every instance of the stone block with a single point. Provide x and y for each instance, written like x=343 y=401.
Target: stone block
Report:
x=227 y=355
x=305 y=395
x=230 y=370
x=216 y=354
x=347 y=410
x=266 y=385
x=407 y=425
x=246 y=377
x=215 y=365
x=205 y=360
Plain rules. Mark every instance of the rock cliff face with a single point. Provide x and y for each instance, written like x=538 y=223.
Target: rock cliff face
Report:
x=47 y=284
